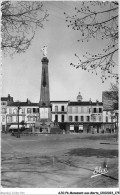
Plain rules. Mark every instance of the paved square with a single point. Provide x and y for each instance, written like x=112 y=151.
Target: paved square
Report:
x=58 y=161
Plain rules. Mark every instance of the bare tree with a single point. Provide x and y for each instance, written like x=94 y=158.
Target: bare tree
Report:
x=97 y=20
x=20 y=20
x=112 y=95
x=114 y=89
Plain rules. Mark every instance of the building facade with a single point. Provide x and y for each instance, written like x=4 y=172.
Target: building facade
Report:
x=87 y=116
x=110 y=110
x=26 y=112
x=73 y=117
x=59 y=113
x=4 y=103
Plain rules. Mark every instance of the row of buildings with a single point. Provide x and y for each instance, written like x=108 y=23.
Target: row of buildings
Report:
x=50 y=116
x=72 y=116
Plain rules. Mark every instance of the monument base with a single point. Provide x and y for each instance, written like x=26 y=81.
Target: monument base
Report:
x=43 y=126
x=47 y=126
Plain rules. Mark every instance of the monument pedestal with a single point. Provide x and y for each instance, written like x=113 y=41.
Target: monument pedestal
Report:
x=43 y=126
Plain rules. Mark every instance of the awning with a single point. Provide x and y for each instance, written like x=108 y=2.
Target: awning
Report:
x=15 y=126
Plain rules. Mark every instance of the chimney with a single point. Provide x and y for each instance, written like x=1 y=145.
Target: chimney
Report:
x=28 y=101
x=97 y=102
x=90 y=100
x=8 y=97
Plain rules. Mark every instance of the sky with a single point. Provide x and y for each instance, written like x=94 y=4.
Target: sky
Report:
x=21 y=74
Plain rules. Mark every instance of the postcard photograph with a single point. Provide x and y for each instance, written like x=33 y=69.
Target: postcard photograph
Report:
x=60 y=97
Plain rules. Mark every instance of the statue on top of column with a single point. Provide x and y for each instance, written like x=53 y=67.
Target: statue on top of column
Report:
x=44 y=50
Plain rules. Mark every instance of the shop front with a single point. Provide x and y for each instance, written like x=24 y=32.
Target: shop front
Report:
x=85 y=127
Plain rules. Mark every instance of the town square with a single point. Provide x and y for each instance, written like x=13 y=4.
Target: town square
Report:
x=60 y=95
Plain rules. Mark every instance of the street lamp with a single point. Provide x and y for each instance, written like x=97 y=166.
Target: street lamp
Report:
x=117 y=128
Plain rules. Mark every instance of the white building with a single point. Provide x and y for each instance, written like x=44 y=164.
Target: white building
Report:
x=4 y=103
x=59 y=111
x=77 y=116
x=83 y=115
x=27 y=112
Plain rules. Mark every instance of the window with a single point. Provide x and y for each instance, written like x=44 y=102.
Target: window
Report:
x=3 y=103
x=85 y=109
x=82 y=109
x=70 y=118
x=82 y=118
x=71 y=127
x=10 y=110
x=3 y=118
x=56 y=108
x=62 y=108
x=9 y=119
x=74 y=109
x=87 y=118
x=56 y=118
x=35 y=110
x=93 y=117
x=3 y=110
x=28 y=110
x=100 y=110
x=81 y=127
x=15 y=111
x=69 y=109
x=76 y=118
x=29 y=118
x=79 y=109
x=100 y=118
x=62 y=118
x=23 y=110
x=106 y=119
x=94 y=110
x=34 y=118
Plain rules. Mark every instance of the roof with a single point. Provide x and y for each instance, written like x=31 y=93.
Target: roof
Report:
x=85 y=103
x=77 y=103
x=4 y=98
x=60 y=101
x=22 y=104
x=15 y=126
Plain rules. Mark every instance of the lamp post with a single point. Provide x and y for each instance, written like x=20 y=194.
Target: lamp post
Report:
x=117 y=129
x=18 y=133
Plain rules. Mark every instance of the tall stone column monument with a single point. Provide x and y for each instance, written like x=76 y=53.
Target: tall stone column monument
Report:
x=44 y=123
x=44 y=104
